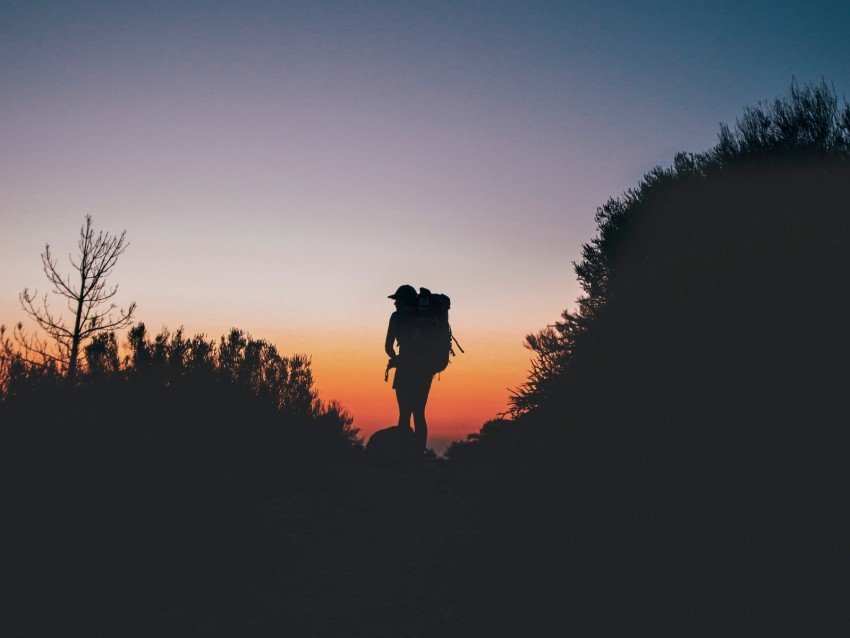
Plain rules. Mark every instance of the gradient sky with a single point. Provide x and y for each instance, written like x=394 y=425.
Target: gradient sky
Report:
x=284 y=166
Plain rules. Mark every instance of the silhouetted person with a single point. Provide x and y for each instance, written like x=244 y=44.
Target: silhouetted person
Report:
x=412 y=379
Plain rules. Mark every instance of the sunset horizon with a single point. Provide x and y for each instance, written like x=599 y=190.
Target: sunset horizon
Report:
x=227 y=401
x=283 y=168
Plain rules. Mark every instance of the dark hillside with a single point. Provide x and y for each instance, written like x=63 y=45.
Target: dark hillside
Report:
x=730 y=298
x=690 y=468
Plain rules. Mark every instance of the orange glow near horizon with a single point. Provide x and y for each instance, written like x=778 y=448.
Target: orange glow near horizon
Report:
x=349 y=368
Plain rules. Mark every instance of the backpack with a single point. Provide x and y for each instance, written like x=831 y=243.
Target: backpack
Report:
x=433 y=334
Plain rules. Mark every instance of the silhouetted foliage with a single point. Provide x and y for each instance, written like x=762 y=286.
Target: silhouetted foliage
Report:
x=495 y=438
x=146 y=477
x=251 y=366
x=808 y=121
x=236 y=389
x=805 y=126
x=102 y=355
x=683 y=436
x=86 y=296
x=19 y=376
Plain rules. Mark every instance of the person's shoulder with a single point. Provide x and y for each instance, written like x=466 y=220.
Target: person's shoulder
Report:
x=401 y=316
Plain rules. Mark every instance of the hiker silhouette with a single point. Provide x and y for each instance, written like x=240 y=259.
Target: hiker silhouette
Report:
x=413 y=376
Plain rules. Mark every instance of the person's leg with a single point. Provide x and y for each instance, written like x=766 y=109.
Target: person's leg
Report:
x=404 y=396
x=405 y=407
x=420 y=399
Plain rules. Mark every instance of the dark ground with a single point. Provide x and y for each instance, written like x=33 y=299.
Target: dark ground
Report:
x=150 y=540
x=354 y=551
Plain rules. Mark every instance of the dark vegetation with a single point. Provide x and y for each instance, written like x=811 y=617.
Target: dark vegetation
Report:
x=239 y=396
x=676 y=464
x=681 y=445
x=135 y=488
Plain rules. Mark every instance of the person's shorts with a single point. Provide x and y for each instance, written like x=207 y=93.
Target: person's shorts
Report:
x=411 y=377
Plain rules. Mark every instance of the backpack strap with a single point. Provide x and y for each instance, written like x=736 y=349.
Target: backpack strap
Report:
x=458 y=345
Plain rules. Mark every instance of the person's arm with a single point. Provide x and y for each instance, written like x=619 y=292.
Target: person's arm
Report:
x=389 y=344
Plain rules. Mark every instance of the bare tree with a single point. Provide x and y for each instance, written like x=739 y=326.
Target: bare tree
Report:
x=86 y=295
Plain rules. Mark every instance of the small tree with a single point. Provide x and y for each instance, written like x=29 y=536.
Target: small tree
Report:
x=86 y=295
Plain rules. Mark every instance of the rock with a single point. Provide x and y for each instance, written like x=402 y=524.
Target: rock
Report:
x=392 y=447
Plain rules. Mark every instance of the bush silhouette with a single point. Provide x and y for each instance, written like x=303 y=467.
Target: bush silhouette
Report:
x=681 y=441
x=142 y=480
x=807 y=128
x=237 y=408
